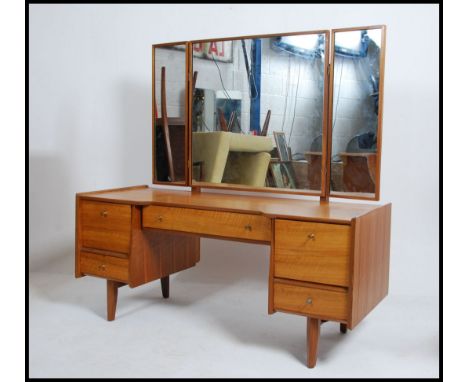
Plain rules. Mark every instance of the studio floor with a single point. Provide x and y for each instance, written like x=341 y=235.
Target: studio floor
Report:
x=215 y=324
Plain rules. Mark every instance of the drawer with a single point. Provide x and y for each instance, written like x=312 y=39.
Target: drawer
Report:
x=108 y=267
x=324 y=303
x=105 y=226
x=315 y=252
x=214 y=223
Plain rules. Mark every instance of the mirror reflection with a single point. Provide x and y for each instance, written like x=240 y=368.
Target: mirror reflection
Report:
x=169 y=114
x=258 y=112
x=355 y=115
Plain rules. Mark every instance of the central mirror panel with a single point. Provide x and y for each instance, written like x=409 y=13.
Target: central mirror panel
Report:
x=258 y=112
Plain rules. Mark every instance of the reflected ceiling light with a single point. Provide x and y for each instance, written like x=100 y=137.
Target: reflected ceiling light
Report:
x=307 y=42
x=349 y=40
x=306 y=46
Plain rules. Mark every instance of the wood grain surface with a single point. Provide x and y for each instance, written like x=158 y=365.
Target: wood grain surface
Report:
x=371 y=257
x=312 y=210
x=157 y=254
x=108 y=267
x=214 y=223
x=105 y=226
x=314 y=252
x=311 y=301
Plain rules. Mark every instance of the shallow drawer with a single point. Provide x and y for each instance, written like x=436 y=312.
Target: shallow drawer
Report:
x=214 y=223
x=105 y=226
x=108 y=267
x=315 y=252
x=323 y=303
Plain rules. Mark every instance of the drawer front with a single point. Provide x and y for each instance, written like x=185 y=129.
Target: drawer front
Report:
x=315 y=252
x=216 y=223
x=108 y=267
x=328 y=304
x=105 y=226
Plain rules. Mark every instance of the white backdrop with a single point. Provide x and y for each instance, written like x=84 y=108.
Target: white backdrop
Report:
x=90 y=111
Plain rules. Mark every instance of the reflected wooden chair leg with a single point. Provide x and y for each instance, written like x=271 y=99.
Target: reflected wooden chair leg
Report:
x=222 y=120
x=165 y=286
x=343 y=328
x=313 y=333
x=112 y=293
x=264 y=131
x=165 y=121
x=194 y=82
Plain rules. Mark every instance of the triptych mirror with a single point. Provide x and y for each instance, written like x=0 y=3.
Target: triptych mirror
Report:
x=291 y=113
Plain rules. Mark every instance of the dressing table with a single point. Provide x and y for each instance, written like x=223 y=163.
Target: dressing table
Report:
x=329 y=261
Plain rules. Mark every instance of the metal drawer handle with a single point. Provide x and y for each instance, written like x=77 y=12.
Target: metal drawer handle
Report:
x=248 y=227
x=102 y=267
x=309 y=301
x=311 y=236
x=159 y=218
x=104 y=213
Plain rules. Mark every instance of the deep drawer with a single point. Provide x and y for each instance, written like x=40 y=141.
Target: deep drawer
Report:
x=213 y=223
x=314 y=252
x=105 y=226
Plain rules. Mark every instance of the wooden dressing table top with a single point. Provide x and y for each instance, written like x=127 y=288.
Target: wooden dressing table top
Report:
x=286 y=208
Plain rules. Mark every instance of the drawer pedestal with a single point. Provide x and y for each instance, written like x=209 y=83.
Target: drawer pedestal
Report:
x=112 y=244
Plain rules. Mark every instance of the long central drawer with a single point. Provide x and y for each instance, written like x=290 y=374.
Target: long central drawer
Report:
x=213 y=223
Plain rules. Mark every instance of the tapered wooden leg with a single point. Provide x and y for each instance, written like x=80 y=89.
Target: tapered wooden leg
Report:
x=343 y=328
x=313 y=333
x=165 y=286
x=112 y=293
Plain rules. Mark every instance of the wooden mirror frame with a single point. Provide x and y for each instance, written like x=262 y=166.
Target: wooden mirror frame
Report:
x=356 y=195
x=325 y=192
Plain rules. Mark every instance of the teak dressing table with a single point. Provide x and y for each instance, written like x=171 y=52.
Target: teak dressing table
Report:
x=329 y=261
